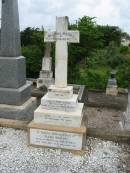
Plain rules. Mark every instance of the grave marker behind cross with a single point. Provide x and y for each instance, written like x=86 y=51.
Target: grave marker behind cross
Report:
x=62 y=37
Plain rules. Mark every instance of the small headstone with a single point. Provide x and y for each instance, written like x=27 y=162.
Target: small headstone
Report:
x=46 y=74
x=112 y=88
x=59 y=120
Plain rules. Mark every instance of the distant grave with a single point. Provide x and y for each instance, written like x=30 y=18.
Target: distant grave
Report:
x=46 y=74
x=112 y=88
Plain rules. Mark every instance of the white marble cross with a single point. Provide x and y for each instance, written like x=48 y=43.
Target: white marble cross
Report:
x=62 y=37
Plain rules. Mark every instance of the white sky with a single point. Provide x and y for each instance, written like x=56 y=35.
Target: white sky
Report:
x=37 y=13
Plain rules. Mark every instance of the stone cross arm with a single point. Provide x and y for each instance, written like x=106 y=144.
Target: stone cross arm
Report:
x=68 y=36
x=62 y=36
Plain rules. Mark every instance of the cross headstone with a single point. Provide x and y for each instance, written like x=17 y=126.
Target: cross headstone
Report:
x=59 y=107
x=62 y=37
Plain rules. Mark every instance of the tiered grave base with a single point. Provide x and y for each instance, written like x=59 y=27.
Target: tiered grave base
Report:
x=45 y=79
x=58 y=122
x=52 y=136
x=112 y=90
x=126 y=121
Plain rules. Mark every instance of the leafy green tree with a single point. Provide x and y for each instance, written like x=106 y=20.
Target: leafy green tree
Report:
x=32 y=36
x=93 y=58
x=110 y=34
x=90 y=39
x=123 y=75
x=113 y=56
x=33 y=56
x=32 y=40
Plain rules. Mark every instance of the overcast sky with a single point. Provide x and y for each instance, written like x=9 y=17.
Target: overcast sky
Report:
x=36 y=13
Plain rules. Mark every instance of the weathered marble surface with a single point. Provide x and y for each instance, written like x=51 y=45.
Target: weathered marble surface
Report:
x=44 y=82
x=58 y=120
x=56 y=139
x=126 y=115
x=68 y=36
x=47 y=49
x=46 y=75
x=112 y=88
x=59 y=104
x=61 y=118
x=62 y=36
x=61 y=93
x=47 y=64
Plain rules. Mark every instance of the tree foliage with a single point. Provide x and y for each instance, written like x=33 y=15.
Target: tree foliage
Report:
x=111 y=34
x=93 y=58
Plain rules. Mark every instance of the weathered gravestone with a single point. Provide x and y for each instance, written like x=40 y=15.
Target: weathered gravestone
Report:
x=59 y=120
x=112 y=88
x=15 y=91
x=46 y=74
x=126 y=115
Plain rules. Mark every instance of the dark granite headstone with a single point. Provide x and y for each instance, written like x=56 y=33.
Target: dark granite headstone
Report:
x=14 y=90
x=10 y=32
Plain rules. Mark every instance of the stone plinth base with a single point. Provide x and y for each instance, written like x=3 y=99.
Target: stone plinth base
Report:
x=126 y=121
x=59 y=104
x=46 y=74
x=12 y=96
x=61 y=118
x=12 y=72
x=57 y=136
x=61 y=93
x=113 y=91
x=23 y=112
x=59 y=121
x=46 y=79
x=44 y=82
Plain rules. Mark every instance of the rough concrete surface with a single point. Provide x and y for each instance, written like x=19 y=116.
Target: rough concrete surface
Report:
x=104 y=118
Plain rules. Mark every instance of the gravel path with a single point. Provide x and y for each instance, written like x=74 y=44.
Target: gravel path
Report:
x=17 y=157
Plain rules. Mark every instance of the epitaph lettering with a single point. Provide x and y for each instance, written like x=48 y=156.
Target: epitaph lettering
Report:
x=68 y=36
x=56 y=139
